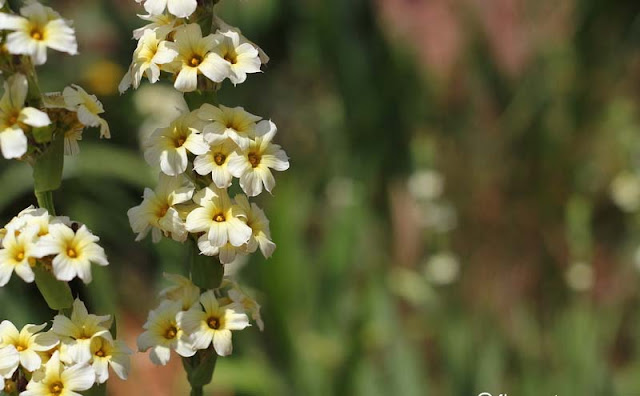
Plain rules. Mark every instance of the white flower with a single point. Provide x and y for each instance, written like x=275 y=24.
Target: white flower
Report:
x=225 y=122
x=88 y=107
x=243 y=57
x=78 y=331
x=253 y=166
x=226 y=253
x=259 y=224
x=151 y=52
x=196 y=56
x=39 y=27
x=162 y=24
x=214 y=162
x=18 y=254
x=225 y=27
x=182 y=290
x=157 y=211
x=107 y=353
x=58 y=380
x=210 y=322
x=164 y=334
x=74 y=252
x=9 y=362
x=13 y=115
x=28 y=342
x=179 y=8
x=219 y=218
x=247 y=303
x=168 y=146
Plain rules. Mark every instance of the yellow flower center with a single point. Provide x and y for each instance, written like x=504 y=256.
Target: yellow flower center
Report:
x=254 y=159
x=20 y=256
x=100 y=353
x=213 y=323
x=56 y=388
x=171 y=333
x=195 y=60
x=231 y=57
x=71 y=252
x=179 y=141
x=13 y=119
x=36 y=34
x=219 y=218
x=162 y=210
x=219 y=158
x=20 y=347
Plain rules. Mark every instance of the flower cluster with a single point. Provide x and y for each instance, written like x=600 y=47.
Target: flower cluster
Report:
x=174 y=45
x=75 y=353
x=24 y=112
x=63 y=247
x=187 y=320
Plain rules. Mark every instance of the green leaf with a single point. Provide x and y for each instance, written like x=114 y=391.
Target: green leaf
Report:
x=57 y=294
x=114 y=328
x=47 y=170
x=206 y=272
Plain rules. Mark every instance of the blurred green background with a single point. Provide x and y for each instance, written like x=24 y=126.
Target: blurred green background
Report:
x=461 y=213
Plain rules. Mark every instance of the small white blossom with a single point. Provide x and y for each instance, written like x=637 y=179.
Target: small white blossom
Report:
x=73 y=252
x=168 y=146
x=157 y=211
x=208 y=323
x=58 y=380
x=18 y=254
x=164 y=334
x=13 y=116
x=247 y=303
x=28 y=342
x=243 y=58
x=215 y=161
x=107 y=353
x=39 y=27
x=253 y=165
x=196 y=56
x=182 y=290
x=162 y=24
x=219 y=218
x=226 y=122
x=259 y=224
x=9 y=362
x=151 y=53
x=88 y=107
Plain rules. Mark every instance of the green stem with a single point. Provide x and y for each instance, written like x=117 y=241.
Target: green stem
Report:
x=45 y=200
x=197 y=391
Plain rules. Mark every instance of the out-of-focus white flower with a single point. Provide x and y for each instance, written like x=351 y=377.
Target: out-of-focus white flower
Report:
x=438 y=216
x=196 y=56
x=13 y=116
x=39 y=27
x=168 y=146
x=253 y=165
x=219 y=218
x=426 y=185
x=74 y=252
x=208 y=323
x=18 y=254
x=182 y=290
x=157 y=211
x=259 y=224
x=579 y=276
x=625 y=191
x=341 y=192
x=151 y=53
x=28 y=342
x=164 y=334
x=179 y=8
x=215 y=162
x=107 y=353
x=243 y=58
x=78 y=331
x=226 y=122
x=57 y=379
x=88 y=107
x=442 y=268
